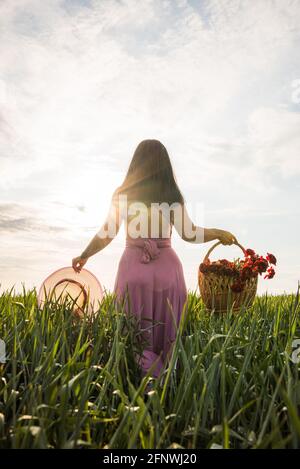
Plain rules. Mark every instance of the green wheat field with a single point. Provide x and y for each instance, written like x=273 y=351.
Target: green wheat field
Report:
x=231 y=381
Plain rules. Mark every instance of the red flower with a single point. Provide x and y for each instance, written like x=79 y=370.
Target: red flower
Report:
x=242 y=269
x=204 y=267
x=246 y=272
x=224 y=262
x=212 y=268
x=271 y=258
x=271 y=273
x=248 y=263
x=249 y=252
x=261 y=265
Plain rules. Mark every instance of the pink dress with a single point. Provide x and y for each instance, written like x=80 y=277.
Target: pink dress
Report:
x=151 y=275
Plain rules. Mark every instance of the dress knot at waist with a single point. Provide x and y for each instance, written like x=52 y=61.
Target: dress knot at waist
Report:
x=150 y=247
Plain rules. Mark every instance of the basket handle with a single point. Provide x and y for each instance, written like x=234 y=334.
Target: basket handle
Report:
x=217 y=244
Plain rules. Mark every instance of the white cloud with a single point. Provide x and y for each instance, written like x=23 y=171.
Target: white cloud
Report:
x=82 y=82
x=276 y=135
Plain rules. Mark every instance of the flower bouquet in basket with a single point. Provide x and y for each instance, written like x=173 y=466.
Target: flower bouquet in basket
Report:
x=225 y=285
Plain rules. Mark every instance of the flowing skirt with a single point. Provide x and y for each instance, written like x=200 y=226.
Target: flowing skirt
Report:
x=150 y=276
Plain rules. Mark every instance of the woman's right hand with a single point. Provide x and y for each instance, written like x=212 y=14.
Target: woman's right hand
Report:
x=78 y=263
x=225 y=237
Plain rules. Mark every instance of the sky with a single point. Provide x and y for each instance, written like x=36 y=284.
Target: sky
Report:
x=82 y=82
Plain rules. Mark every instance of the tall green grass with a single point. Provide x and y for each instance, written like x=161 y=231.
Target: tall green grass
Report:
x=68 y=384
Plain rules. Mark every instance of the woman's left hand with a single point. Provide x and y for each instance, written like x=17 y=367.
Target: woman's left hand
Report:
x=78 y=263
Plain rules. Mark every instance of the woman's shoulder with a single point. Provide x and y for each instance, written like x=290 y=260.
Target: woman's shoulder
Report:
x=116 y=191
x=116 y=195
x=119 y=201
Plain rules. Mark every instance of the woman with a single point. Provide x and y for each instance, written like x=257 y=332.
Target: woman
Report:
x=150 y=276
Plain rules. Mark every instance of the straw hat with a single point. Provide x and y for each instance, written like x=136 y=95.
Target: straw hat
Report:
x=80 y=290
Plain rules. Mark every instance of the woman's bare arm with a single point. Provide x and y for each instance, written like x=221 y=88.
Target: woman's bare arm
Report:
x=95 y=245
x=105 y=235
x=196 y=234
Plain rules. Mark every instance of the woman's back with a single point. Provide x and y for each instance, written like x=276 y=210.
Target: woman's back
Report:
x=147 y=222
x=153 y=220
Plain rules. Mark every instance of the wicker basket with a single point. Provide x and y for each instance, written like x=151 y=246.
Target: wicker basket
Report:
x=216 y=290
